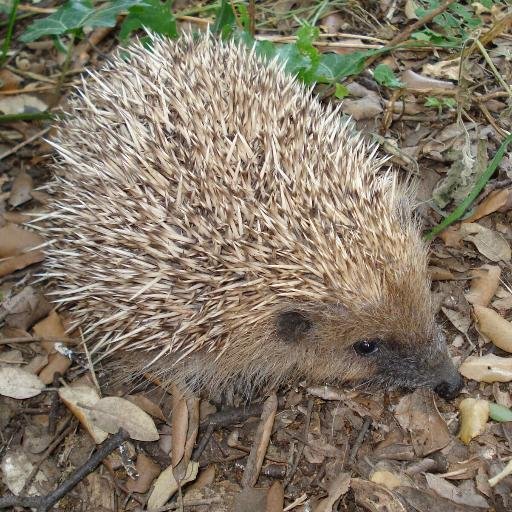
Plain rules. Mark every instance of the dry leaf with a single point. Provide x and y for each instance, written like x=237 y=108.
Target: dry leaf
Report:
x=112 y=413
x=146 y=405
x=166 y=485
x=459 y=320
x=484 y=284
x=50 y=328
x=14 y=240
x=275 y=498
x=336 y=488
x=21 y=104
x=21 y=189
x=416 y=81
x=474 y=414
x=417 y=413
x=16 y=468
x=493 y=202
x=375 y=497
x=461 y=496
x=20 y=261
x=76 y=396
x=24 y=309
x=363 y=108
x=147 y=471
x=18 y=383
x=179 y=427
x=495 y=327
x=386 y=478
x=488 y=242
x=489 y=368
x=443 y=69
x=57 y=363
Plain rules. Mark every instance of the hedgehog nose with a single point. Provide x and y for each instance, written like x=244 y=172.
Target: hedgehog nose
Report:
x=450 y=388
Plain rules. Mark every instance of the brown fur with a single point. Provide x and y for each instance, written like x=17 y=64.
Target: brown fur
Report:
x=200 y=194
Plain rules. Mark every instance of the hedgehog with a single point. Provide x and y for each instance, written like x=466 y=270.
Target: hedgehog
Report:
x=215 y=225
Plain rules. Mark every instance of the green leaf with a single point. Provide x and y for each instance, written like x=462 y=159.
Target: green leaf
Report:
x=224 y=19
x=74 y=15
x=154 y=15
x=433 y=102
x=384 y=75
x=334 y=67
x=341 y=91
x=499 y=412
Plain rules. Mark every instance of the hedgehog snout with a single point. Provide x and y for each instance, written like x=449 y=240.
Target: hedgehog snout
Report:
x=449 y=382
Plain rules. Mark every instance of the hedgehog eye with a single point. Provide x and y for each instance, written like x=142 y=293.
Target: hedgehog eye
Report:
x=291 y=326
x=366 y=347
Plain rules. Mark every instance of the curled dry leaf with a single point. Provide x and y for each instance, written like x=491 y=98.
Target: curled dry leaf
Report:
x=112 y=413
x=179 y=427
x=362 y=108
x=74 y=397
x=484 y=284
x=489 y=368
x=261 y=440
x=166 y=485
x=18 y=383
x=474 y=414
x=495 y=327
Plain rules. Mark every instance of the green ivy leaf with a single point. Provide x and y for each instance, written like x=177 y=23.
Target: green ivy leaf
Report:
x=154 y=15
x=74 y=15
x=384 y=75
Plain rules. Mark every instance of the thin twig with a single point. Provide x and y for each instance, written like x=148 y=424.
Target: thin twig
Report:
x=25 y=142
x=359 y=440
x=405 y=34
x=45 y=503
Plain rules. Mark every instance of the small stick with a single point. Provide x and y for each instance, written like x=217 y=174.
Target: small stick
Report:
x=45 y=503
x=25 y=142
x=300 y=449
x=405 y=34
x=261 y=441
x=359 y=440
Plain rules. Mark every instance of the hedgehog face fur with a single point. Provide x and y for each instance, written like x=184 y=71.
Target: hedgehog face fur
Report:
x=217 y=226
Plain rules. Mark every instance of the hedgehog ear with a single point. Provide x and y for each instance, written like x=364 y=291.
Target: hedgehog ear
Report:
x=292 y=325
